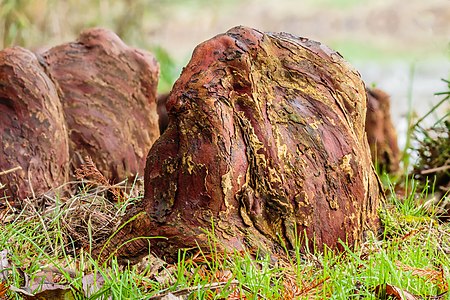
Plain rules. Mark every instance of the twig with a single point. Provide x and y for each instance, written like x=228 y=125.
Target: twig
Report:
x=434 y=170
x=10 y=170
x=39 y=216
x=211 y=286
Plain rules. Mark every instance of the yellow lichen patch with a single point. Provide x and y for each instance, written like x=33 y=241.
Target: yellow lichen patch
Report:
x=252 y=142
x=40 y=116
x=226 y=189
x=245 y=217
x=303 y=209
x=352 y=217
x=315 y=124
x=282 y=150
x=274 y=175
x=170 y=167
x=226 y=182
x=345 y=165
x=187 y=161
x=331 y=121
x=333 y=203
x=296 y=118
x=228 y=231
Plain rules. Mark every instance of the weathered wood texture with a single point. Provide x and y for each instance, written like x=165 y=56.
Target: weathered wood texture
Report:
x=108 y=91
x=33 y=135
x=94 y=97
x=162 y=113
x=265 y=139
x=381 y=134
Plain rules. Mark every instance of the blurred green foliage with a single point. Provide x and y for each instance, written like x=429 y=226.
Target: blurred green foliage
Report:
x=169 y=69
x=38 y=24
x=30 y=23
x=13 y=21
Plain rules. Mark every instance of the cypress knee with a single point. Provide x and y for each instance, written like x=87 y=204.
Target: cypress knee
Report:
x=381 y=133
x=266 y=142
x=34 y=153
x=108 y=92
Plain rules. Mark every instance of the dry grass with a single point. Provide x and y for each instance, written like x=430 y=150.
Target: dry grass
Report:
x=88 y=210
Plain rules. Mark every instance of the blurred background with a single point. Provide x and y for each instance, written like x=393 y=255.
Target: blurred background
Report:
x=402 y=47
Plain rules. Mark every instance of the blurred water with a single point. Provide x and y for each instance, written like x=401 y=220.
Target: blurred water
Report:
x=411 y=86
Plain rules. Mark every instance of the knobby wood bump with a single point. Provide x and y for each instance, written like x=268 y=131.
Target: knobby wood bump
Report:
x=265 y=142
x=93 y=97
x=108 y=91
x=34 y=151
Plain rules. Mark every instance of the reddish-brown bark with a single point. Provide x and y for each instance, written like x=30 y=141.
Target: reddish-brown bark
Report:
x=266 y=141
x=33 y=135
x=108 y=91
x=95 y=97
x=381 y=134
x=162 y=113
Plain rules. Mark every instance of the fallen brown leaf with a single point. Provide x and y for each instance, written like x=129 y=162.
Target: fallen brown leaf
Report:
x=52 y=292
x=4 y=265
x=383 y=291
x=3 y=289
x=92 y=283
x=90 y=172
x=309 y=289
x=434 y=276
x=237 y=295
x=291 y=289
x=224 y=275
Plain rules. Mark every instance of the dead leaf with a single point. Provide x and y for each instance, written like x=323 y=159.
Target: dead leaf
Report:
x=314 y=285
x=237 y=294
x=92 y=283
x=45 y=284
x=4 y=265
x=429 y=274
x=3 y=289
x=47 y=278
x=20 y=291
x=291 y=289
x=384 y=291
x=171 y=296
x=149 y=264
x=53 y=292
x=49 y=291
x=89 y=170
x=186 y=293
x=224 y=275
x=437 y=297
x=166 y=276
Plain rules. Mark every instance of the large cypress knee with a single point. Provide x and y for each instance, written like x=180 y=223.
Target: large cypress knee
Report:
x=265 y=140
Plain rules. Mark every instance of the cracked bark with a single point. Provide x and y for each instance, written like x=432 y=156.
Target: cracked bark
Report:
x=108 y=92
x=33 y=135
x=266 y=141
x=95 y=97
